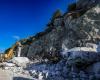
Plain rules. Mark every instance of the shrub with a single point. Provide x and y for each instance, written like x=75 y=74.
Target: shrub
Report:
x=7 y=50
x=72 y=7
x=56 y=15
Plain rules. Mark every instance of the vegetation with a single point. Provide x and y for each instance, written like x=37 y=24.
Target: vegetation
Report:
x=7 y=50
x=82 y=12
x=38 y=35
x=78 y=12
x=27 y=42
x=72 y=7
x=56 y=15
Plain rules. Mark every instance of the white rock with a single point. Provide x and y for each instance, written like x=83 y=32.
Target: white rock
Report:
x=40 y=76
x=6 y=68
x=97 y=9
x=9 y=64
x=82 y=49
x=20 y=61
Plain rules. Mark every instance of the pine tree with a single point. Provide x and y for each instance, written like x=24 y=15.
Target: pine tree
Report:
x=72 y=7
x=56 y=15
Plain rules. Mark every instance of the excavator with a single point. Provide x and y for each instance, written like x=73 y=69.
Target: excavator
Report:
x=10 y=53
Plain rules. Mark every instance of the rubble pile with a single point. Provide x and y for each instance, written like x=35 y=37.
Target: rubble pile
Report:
x=21 y=61
x=16 y=66
x=79 y=65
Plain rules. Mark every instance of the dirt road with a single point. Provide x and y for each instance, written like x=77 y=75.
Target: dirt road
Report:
x=4 y=75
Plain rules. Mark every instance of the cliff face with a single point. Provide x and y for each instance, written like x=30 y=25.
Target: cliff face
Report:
x=50 y=42
x=71 y=40
x=84 y=29
x=66 y=32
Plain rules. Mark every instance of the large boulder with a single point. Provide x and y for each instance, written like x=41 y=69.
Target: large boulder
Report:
x=82 y=57
x=21 y=61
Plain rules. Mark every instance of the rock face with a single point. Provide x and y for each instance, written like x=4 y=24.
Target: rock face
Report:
x=77 y=28
x=50 y=42
x=67 y=32
x=84 y=29
x=87 y=3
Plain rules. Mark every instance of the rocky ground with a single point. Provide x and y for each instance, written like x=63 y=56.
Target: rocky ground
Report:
x=14 y=70
x=74 y=65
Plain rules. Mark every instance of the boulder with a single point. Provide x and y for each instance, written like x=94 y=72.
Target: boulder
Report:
x=9 y=64
x=20 y=61
x=83 y=57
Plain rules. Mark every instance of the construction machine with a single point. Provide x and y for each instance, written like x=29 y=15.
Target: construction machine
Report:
x=10 y=53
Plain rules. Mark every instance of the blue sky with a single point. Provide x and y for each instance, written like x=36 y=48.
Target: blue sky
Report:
x=22 y=18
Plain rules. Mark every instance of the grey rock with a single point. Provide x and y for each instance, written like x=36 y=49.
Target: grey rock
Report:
x=64 y=33
x=95 y=69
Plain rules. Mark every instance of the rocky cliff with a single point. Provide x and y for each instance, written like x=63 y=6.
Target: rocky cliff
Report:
x=76 y=28
x=79 y=28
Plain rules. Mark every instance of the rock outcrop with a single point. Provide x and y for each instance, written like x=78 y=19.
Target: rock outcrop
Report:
x=60 y=44
x=67 y=31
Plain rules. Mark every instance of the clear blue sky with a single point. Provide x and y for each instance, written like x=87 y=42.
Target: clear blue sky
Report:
x=22 y=18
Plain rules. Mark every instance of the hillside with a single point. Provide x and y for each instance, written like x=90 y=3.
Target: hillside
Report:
x=75 y=28
x=69 y=43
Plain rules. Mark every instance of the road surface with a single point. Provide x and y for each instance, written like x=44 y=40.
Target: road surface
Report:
x=4 y=75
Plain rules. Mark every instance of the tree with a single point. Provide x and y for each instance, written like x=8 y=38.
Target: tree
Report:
x=56 y=14
x=72 y=7
x=7 y=50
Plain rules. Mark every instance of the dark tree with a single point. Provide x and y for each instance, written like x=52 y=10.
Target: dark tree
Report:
x=72 y=7
x=56 y=15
